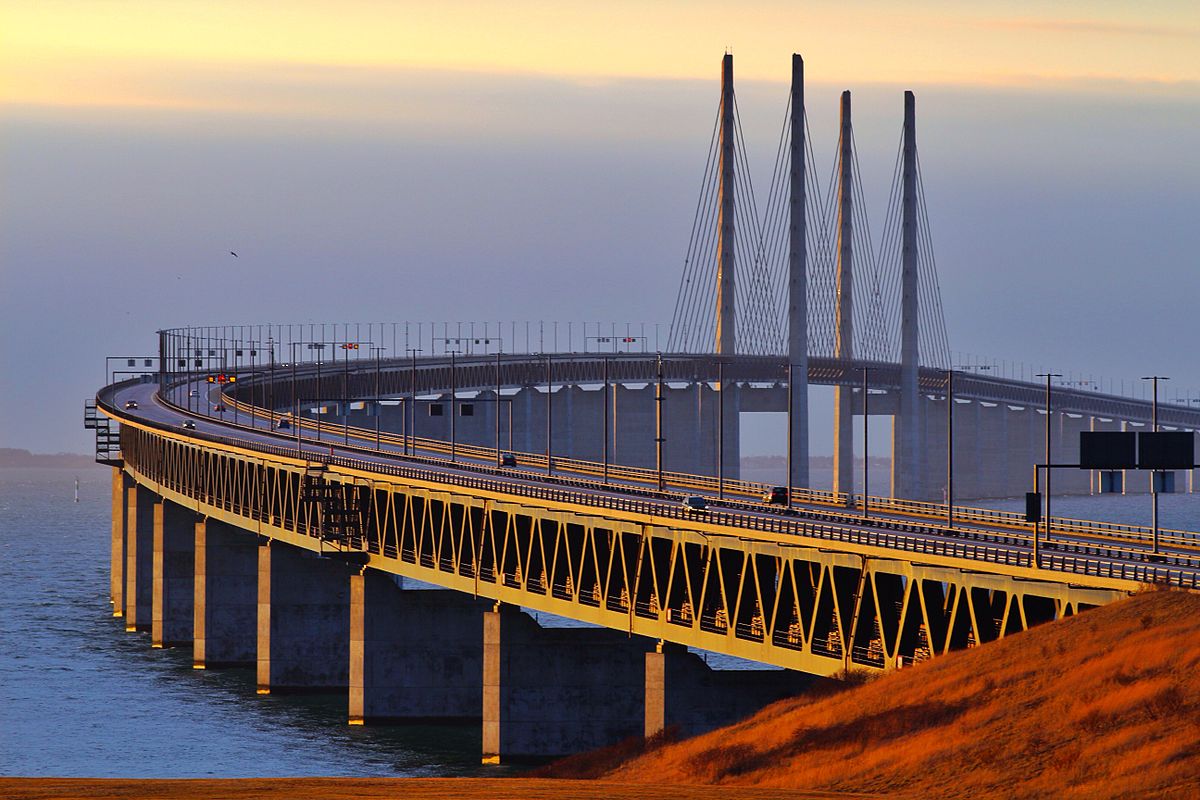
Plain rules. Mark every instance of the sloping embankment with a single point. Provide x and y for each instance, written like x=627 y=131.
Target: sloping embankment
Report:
x=1106 y=704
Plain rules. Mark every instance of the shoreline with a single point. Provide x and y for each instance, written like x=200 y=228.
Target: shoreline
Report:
x=516 y=788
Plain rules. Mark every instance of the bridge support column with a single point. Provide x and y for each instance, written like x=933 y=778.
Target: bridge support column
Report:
x=225 y=602
x=303 y=620
x=555 y=691
x=172 y=613
x=682 y=692
x=121 y=484
x=414 y=654
x=139 y=557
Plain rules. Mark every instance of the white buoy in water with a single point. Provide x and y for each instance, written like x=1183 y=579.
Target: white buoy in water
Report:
x=76 y=489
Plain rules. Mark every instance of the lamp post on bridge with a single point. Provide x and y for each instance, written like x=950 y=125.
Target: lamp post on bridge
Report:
x=1049 y=376
x=1154 y=474
x=658 y=422
x=378 y=350
x=410 y=441
x=866 y=509
x=549 y=416
x=604 y=448
x=496 y=411
x=453 y=406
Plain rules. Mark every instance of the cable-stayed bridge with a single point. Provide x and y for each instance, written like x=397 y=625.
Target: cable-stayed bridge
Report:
x=274 y=485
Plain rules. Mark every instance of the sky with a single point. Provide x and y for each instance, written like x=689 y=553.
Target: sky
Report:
x=374 y=160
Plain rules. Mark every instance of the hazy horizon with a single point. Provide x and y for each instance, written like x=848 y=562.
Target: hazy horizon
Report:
x=1057 y=149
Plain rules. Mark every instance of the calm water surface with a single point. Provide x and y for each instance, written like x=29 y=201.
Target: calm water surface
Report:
x=81 y=697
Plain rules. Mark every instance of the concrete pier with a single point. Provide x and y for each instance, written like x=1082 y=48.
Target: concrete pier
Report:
x=303 y=620
x=684 y=693
x=120 y=486
x=414 y=655
x=225 y=607
x=139 y=557
x=172 y=609
x=554 y=691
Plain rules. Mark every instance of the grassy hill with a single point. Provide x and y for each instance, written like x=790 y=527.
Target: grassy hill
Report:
x=1106 y=704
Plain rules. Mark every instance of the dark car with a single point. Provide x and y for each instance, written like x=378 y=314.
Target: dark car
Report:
x=776 y=496
x=131 y=405
x=188 y=424
x=219 y=408
x=508 y=460
x=695 y=502
x=283 y=424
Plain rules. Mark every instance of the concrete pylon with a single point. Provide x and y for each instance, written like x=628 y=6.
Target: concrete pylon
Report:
x=843 y=410
x=726 y=316
x=798 y=288
x=907 y=469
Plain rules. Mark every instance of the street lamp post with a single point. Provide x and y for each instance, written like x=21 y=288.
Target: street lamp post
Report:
x=320 y=409
x=720 y=428
x=788 y=481
x=410 y=441
x=866 y=511
x=1154 y=475
x=658 y=422
x=496 y=409
x=345 y=390
x=1049 y=376
x=950 y=448
x=378 y=405
x=604 y=447
x=549 y=417
x=453 y=406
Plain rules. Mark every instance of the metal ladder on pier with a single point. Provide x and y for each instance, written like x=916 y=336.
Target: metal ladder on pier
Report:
x=108 y=435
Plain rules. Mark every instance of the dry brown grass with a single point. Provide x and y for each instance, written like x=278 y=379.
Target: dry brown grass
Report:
x=376 y=789
x=1104 y=705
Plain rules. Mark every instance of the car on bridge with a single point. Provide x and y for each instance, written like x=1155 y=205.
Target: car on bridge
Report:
x=776 y=496
x=189 y=425
x=282 y=424
x=508 y=460
x=131 y=405
x=219 y=408
x=695 y=502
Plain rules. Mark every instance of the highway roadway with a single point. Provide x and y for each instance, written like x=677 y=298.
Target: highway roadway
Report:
x=991 y=537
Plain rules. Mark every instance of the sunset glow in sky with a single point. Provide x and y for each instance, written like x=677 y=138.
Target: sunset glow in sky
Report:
x=541 y=159
x=132 y=52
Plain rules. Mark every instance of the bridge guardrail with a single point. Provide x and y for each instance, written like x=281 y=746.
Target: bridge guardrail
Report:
x=734 y=488
x=967 y=550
